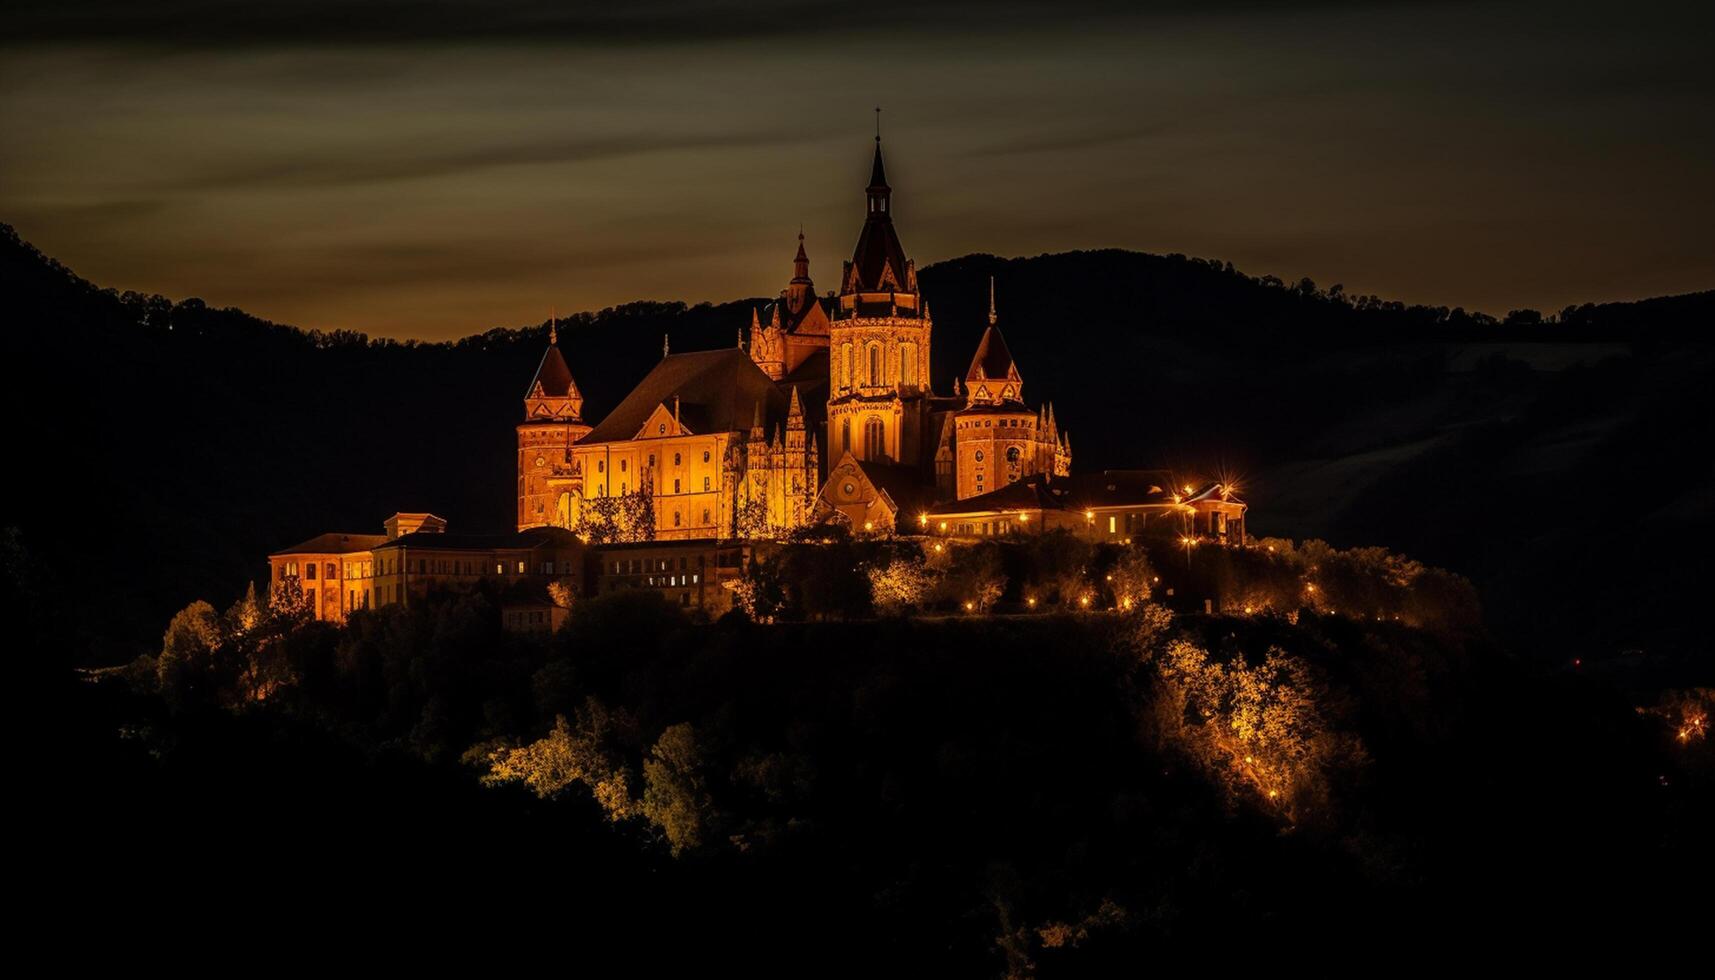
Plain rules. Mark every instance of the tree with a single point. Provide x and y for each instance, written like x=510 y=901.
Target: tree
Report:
x=752 y=519
x=1059 y=562
x=615 y=519
x=675 y=794
x=973 y=576
x=1262 y=732
x=1131 y=578
x=901 y=586
x=185 y=667
x=569 y=756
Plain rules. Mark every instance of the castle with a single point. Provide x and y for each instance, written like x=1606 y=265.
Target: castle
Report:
x=824 y=412
x=732 y=443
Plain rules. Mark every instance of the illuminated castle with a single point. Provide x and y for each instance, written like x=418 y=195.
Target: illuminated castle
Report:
x=823 y=413
x=826 y=413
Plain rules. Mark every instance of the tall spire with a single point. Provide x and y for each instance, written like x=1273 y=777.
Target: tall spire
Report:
x=878 y=189
x=553 y=326
x=878 y=263
x=993 y=317
x=801 y=262
x=664 y=345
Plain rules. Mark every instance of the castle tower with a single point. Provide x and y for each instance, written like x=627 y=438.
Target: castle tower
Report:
x=553 y=421
x=878 y=343
x=768 y=345
x=797 y=324
x=997 y=439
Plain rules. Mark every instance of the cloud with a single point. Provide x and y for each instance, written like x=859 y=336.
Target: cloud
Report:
x=264 y=23
x=288 y=172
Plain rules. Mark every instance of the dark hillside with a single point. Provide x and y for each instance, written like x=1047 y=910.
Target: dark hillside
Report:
x=176 y=444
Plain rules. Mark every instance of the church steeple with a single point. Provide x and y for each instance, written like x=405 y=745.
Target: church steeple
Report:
x=801 y=291
x=878 y=191
x=878 y=263
x=553 y=393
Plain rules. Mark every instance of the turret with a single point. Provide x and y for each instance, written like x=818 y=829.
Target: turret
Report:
x=553 y=422
x=993 y=376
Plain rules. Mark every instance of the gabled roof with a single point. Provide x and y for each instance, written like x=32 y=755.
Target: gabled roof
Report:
x=993 y=360
x=554 y=376
x=1213 y=491
x=334 y=544
x=902 y=486
x=719 y=389
x=811 y=318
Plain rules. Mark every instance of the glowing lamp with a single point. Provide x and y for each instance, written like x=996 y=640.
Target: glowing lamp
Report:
x=922 y=520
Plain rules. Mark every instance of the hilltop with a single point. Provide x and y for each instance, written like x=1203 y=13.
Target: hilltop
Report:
x=183 y=442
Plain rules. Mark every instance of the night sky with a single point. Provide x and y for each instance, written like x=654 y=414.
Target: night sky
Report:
x=432 y=169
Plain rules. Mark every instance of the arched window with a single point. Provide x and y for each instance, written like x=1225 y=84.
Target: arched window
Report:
x=908 y=364
x=874 y=439
x=846 y=435
x=874 y=364
x=846 y=365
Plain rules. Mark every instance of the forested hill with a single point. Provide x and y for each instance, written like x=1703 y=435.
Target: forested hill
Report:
x=166 y=447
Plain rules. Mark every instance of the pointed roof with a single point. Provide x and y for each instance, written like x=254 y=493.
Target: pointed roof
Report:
x=554 y=376
x=878 y=257
x=801 y=262
x=993 y=361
